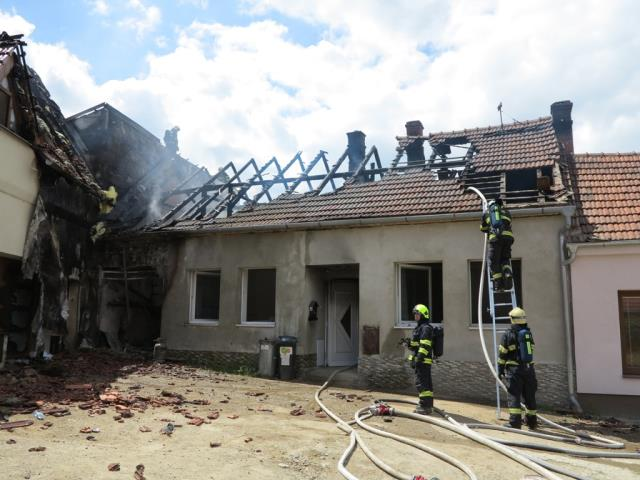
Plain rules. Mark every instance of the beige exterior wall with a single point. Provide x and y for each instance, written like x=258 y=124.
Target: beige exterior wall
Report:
x=18 y=190
x=376 y=250
x=597 y=274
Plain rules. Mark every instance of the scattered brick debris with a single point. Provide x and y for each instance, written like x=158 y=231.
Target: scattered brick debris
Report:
x=139 y=473
x=233 y=417
x=85 y=430
x=16 y=424
x=224 y=401
x=320 y=415
x=37 y=449
x=213 y=415
x=46 y=425
x=11 y=441
x=254 y=394
x=114 y=467
x=91 y=438
x=144 y=429
x=215 y=444
x=248 y=439
x=297 y=411
x=197 y=421
x=263 y=409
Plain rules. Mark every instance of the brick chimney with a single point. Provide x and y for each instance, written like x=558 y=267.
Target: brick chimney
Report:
x=415 y=150
x=356 y=149
x=563 y=124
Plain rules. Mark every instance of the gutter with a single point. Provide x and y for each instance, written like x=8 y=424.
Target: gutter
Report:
x=565 y=261
x=361 y=222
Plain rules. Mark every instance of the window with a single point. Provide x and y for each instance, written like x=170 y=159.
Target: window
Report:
x=475 y=268
x=418 y=283
x=259 y=296
x=629 y=310
x=205 y=297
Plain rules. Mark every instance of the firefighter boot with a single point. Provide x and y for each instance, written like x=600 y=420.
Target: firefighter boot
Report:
x=497 y=284
x=422 y=410
x=532 y=422
x=507 y=278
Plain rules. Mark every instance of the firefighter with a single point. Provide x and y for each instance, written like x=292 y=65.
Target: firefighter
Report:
x=421 y=358
x=515 y=365
x=496 y=221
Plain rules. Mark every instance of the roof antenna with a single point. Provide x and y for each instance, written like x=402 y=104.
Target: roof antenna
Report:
x=500 y=110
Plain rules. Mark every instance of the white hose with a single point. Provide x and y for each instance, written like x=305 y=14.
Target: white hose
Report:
x=431 y=451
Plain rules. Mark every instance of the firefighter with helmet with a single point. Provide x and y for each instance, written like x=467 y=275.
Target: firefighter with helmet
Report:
x=515 y=367
x=496 y=222
x=421 y=358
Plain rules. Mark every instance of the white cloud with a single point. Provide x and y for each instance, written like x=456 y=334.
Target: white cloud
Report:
x=143 y=18
x=99 y=7
x=14 y=24
x=250 y=91
x=203 y=4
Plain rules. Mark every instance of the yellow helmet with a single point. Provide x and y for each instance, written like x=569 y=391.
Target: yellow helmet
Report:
x=422 y=310
x=518 y=315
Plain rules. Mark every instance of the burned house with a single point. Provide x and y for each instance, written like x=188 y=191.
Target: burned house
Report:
x=74 y=192
x=338 y=258
x=131 y=271
x=49 y=183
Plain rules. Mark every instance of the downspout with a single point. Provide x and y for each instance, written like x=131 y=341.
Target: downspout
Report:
x=565 y=261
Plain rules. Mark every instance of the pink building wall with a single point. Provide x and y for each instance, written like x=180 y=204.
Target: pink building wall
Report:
x=596 y=276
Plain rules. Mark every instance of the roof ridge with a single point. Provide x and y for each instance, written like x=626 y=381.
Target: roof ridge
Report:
x=509 y=126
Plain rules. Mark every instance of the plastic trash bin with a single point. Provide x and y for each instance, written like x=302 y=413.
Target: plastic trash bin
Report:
x=266 y=360
x=286 y=356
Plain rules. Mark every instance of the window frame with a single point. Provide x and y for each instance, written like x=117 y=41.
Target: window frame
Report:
x=627 y=370
x=244 y=293
x=192 y=297
x=415 y=266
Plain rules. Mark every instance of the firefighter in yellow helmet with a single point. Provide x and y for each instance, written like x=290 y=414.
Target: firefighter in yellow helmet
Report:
x=421 y=358
x=515 y=367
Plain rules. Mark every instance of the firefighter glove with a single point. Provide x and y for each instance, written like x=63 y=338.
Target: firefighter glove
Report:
x=501 y=371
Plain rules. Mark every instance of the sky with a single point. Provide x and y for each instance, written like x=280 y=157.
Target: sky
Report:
x=261 y=78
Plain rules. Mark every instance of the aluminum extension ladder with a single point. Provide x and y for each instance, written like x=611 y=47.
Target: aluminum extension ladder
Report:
x=505 y=298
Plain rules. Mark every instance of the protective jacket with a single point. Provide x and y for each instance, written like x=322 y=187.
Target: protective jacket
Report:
x=422 y=343
x=508 y=350
x=501 y=228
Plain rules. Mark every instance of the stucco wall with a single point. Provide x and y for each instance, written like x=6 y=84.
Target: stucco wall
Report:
x=376 y=250
x=18 y=190
x=596 y=276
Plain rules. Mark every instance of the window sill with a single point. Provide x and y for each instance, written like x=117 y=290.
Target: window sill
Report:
x=256 y=325
x=500 y=327
x=204 y=323
x=411 y=327
x=635 y=376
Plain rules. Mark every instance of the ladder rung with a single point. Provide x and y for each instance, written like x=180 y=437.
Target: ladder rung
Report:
x=502 y=304
x=502 y=318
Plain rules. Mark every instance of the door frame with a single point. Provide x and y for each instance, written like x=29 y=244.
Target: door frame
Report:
x=332 y=317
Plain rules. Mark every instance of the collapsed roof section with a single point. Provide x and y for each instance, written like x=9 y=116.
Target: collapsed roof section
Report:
x=607 y=193
x=145 y=173
x=523 y=162
x=40 y=120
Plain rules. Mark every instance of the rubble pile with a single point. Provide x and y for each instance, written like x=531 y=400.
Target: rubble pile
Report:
x=84 y=381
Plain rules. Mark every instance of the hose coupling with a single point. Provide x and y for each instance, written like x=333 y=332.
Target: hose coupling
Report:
x=381 y=410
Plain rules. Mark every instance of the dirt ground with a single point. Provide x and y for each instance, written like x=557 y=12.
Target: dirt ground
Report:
x=248 y=428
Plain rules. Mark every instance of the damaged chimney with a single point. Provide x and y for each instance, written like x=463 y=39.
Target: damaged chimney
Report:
x=356 y=149
x=562 y=124
x=415 y=149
